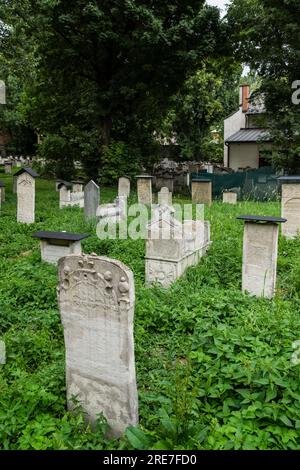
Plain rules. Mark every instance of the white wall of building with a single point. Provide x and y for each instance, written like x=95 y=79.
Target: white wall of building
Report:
x=233 y=124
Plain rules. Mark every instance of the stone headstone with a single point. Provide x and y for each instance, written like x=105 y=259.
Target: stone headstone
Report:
x=290 y=206
x=124 y=186
x=144 y=189
x=56 y=245
x=96 y=300
x=77 y=186
x=8 y=168
x=64 y=196
x=260 y=250
x=164 y=197
x=172 y=247
x=26 y=196
x=91 y=200
x=202 y=192
x=229 y=197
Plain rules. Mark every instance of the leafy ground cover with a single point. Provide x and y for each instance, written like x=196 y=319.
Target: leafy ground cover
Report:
x=213 y=365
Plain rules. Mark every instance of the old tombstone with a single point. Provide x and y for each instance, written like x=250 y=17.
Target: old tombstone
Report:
x=77 y=186
x=164 y=197
x=69 y=198
x=290 y=205
x=91 y=200
x=8 y=168
x=164 y=182
x=260 y=249
x=26 y=195
x=56 y=245
x=172 y=247
x=57 y=184
x=230 y=197
x=64 y=188
x=202 y=191
x=114 y=212
x=144 y=189
x=124 y=186
x=96 y=300
x=2 y=191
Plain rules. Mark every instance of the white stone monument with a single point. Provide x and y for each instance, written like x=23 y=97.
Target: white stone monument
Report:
x=115 y=212
x=124 y=186
x=202 y=191
x=230 y=197
x=8 y=168
x=172 y=247
x=260 y=249
x=91 y=200
x=77 y=186
x=26 y=195
x=144 y=189
x=96 y=300
x=164 y=197
x=56 y=245
x=68 y=198
x=290 y=205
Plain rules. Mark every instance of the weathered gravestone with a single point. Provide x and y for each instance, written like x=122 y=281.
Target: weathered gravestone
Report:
x=124 y=186
x=96 y=299
x=202 y=191
x=68 y=198
x=144 y=189
x=229 y=197
x=8 y=168
x=260 y=250
x=164 y=197
x=56 y=245
x=290 y=205
x=173 y=246
x=77 y=186
x=91 y=200
x=26 y=195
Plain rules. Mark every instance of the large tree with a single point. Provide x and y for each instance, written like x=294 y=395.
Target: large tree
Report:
x=102 y=63
x=266 y=35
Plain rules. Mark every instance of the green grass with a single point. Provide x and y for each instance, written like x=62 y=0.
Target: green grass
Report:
x=213 y=365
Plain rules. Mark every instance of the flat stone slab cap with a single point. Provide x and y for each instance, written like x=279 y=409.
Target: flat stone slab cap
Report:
x=72 y=237
x=27 y=170
x=262 y=219
x=144 y=176
x=289 y=179
x=65 y=183
x=201 y=180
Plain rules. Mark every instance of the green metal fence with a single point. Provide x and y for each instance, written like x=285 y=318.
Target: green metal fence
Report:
x=259 y=185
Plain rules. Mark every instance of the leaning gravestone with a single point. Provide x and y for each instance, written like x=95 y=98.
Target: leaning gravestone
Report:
x=124 y=186
x=96 y=300
x=26 y=195
x=91 y=200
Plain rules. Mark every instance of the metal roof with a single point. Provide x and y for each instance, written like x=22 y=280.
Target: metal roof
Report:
x=262 y=218
x=289 y=179
x=27 y=170
x=249 y=135
x=60 y=236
